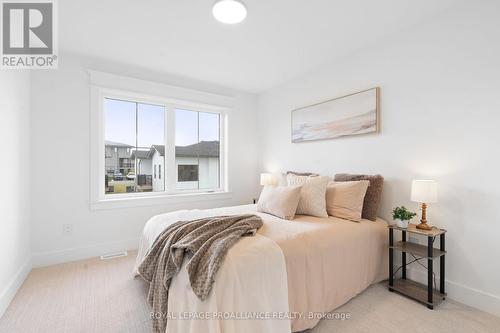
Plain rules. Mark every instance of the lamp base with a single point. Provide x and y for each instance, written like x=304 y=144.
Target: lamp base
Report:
x=423 y=221
x=424 y=226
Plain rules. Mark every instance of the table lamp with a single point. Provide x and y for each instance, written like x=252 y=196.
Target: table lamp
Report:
x=424 y=192
x=268 y=179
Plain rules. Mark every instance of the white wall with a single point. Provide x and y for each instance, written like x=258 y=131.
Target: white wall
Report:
x=208 y=173
x=145 y=167
x=440 y=116
x=15 y=248
x=60 y=124
x=158 y=162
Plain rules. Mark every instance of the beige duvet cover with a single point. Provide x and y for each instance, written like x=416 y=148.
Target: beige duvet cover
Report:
x=328 y=261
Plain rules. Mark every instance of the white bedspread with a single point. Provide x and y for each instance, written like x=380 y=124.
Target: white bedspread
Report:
x=241 y=290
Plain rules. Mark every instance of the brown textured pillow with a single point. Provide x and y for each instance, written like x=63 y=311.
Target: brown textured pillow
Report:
x=301 y=173
x=283 y=181
x=373 y=195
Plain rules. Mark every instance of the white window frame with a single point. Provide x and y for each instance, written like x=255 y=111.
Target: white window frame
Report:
x=100 y=200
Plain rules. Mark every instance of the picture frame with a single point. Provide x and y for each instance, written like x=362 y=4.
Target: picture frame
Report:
x=348 y=115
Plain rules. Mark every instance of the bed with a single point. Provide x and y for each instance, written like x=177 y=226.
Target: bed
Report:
x=281 y=280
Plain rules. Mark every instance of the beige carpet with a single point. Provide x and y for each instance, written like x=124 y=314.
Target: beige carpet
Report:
x=102 y=296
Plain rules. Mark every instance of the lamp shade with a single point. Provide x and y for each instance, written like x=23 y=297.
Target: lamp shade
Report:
x=424 y=191
x=268 y=179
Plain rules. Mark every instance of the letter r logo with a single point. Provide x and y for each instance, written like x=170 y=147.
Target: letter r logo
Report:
x=27 y=28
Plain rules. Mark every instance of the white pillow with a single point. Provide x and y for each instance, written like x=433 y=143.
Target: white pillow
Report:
x=345 y=199
x=280 y=201
x=312 y=195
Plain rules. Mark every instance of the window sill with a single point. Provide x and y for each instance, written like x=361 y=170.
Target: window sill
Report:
x=163 y=199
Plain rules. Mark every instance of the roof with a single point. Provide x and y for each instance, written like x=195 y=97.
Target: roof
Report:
x=141 y=154
x=159 y=148
x=201 y=149
x=116 y=144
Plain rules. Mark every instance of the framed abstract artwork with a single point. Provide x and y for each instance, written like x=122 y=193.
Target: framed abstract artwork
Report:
x=353 y=114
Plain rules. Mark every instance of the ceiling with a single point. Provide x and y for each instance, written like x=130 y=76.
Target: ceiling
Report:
x=279 y=40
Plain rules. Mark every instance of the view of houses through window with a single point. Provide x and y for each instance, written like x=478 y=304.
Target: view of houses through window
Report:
x=134 y=139
x=135 y=154
x=197 y=150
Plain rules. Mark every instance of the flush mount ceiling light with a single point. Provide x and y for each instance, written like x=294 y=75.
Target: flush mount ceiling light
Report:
x=229 y=11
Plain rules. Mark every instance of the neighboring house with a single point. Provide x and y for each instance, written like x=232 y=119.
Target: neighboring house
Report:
x=144 y=165
x=197 y=166
x=157 y=155
x=117 y=158
x=144 y=171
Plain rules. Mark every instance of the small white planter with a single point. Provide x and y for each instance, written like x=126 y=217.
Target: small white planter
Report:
x=402 y=224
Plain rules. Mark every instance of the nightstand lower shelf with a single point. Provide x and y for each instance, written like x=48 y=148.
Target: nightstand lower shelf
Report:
x=416 y=291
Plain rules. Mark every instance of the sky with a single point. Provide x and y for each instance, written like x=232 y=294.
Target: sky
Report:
x=120 y=124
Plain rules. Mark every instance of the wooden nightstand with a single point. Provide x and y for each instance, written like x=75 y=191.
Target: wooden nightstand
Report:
x=417 y=291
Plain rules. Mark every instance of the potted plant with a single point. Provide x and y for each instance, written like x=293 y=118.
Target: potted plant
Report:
x=402 y=216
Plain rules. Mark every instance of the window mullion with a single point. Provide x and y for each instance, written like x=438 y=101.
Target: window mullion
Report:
x=136 y=141
x=222 y=152
x=170 y=168
x=198 y=151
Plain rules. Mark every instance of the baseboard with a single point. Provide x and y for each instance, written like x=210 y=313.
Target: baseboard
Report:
x=72 y=254
x=463 y=294
x=13 y=286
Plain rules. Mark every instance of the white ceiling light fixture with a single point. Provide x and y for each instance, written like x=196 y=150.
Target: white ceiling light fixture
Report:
x=229 y=11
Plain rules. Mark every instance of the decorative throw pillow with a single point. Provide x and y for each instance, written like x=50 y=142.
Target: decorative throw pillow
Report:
x=280 y=201
x=373 y=194
x=282 y=181
x=345 y=199
x=312 y=195
x=301 y=173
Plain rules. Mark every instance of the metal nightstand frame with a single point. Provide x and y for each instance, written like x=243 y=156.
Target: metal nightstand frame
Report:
x=421 y=293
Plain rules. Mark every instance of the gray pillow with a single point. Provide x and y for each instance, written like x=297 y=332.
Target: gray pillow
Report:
x=301 y=173
x=371 y=203
x=282 y=181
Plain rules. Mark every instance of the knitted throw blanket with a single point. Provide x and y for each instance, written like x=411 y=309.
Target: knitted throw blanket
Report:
x=205 y=242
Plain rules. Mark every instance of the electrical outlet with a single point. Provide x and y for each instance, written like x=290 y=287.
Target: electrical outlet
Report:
x=67 y=229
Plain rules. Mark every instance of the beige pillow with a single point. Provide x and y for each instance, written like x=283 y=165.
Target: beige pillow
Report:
x=279 y=201
x=345 y=199
x=373 y=195
x=312 y=195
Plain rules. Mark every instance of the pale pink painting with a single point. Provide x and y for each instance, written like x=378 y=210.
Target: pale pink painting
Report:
x=348 y=115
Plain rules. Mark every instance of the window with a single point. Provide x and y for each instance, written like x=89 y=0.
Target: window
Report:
x=160 y=147
x=197 y=150
x=133 y=129
x=187 y=173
